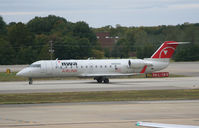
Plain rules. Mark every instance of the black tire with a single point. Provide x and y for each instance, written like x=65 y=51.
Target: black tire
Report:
x=30 y=81
x=106 y=80
x=99 y=80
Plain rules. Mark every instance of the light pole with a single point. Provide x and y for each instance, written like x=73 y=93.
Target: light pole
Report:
x=51 y=49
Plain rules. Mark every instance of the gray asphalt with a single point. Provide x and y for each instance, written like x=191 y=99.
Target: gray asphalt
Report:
x=103 y=114
x=179 y=68
x=91 y=85
x=99 y=115
x=183 y=68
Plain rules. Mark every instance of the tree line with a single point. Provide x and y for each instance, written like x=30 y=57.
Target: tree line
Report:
x=142 y=42
x=24 y=43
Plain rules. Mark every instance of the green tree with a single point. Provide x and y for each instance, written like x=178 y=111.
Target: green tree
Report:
x=40 y=25
x=121 y=49
x=107 y=52
x=2 y=26
x=82 y=30
x=44 y=53
x=67 y=49
x=25 y=56
x=187 y=53
x=19 y=36
x=6 y=52
x=84 y=48
x=145 y=51
x=97 y=54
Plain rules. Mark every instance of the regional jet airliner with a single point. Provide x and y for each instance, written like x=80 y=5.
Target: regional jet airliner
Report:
x=101 y=69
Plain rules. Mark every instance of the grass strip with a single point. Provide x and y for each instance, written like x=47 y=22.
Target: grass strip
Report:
x=71 y=97
x=10 y=77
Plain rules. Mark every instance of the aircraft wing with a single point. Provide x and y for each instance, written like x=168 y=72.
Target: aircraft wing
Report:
x=107 y=75
x=159 y=125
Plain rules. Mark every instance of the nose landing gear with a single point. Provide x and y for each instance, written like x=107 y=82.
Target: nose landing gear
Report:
x=30 y=81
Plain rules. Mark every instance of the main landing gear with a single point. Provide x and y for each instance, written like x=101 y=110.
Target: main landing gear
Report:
x=30 y=81
x=101 y=79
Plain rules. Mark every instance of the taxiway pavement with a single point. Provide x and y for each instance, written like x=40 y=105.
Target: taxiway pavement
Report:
x=98 y=115
x=183 y=68
x=91 y=85
x=103 y=114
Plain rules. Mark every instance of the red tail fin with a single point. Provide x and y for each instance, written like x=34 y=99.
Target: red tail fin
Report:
x=166 y=50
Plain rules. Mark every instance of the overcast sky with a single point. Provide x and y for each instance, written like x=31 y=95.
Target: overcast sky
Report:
x=98 y=13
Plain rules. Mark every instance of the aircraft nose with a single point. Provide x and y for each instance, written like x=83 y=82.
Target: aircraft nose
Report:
x=22 y=73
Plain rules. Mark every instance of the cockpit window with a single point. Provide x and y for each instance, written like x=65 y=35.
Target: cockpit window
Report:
x=35 y=65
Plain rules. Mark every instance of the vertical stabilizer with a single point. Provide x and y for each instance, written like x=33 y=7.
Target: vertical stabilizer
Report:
x=166 y=50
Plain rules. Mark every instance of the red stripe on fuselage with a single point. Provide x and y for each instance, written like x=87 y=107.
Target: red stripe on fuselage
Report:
x=144 y=69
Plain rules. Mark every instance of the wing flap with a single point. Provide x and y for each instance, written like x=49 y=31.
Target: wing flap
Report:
x=107 y=75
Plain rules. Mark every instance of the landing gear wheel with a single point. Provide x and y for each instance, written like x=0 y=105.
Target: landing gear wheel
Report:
x=106 y=80
x=99 y=80
x=30 y=81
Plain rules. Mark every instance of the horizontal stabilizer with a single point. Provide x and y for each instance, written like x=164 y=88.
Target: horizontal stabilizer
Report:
x=179 y=43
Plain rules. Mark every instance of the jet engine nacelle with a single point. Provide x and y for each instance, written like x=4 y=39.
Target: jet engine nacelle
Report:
x=139 y=63
x=136 y=63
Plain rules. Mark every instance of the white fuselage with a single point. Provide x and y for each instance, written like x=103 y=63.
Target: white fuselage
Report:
x=92 y=68
x=102 y=69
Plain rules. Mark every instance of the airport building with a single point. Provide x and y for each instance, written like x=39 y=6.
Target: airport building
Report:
x=106 y=41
